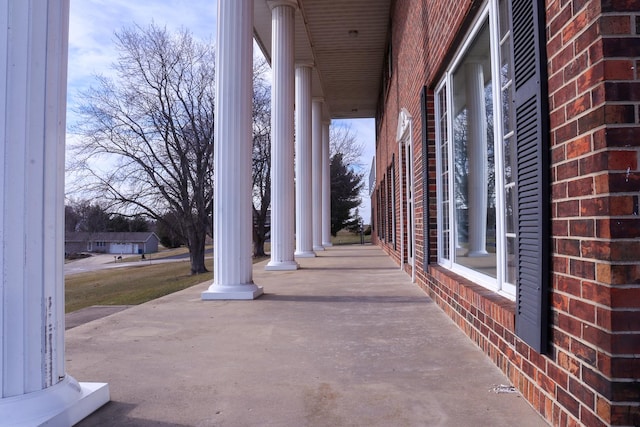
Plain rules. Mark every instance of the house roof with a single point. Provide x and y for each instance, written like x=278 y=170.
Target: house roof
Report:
x=117 y=237
x=347 y=42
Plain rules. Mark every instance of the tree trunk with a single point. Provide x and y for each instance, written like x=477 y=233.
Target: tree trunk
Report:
x=258 y=238
x=196 y=251
x=258 y=247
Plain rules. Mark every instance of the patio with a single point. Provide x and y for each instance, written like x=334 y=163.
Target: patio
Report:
x=345 y=340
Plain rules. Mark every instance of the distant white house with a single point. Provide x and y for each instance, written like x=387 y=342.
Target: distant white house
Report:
x=111 y=243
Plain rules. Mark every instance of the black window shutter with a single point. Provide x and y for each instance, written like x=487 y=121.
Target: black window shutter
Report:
x=425 y=178
x=532 y=141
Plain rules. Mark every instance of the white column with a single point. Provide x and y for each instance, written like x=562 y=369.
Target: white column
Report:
x=282 y=145
x=326 y=187
x=304 y=236
x=316 y=178
x=34 y=387
x=232 y=214
x=477 y=153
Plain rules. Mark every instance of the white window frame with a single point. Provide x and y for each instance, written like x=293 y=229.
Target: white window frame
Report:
x=488 y=13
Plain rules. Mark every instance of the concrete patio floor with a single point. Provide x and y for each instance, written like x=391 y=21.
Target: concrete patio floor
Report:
x=347 y=340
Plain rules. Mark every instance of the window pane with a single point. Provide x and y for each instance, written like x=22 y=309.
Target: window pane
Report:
x=474 y=161
x=512 y=270
x=444 y=173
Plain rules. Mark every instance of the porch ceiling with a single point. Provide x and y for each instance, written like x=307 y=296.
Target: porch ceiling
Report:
x=346 y=41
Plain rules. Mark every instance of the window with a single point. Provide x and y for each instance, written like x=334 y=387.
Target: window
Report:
x=492 y=142
x=474 y=137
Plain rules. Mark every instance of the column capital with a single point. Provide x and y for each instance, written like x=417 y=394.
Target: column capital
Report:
x=317 y=99
x=276 y=3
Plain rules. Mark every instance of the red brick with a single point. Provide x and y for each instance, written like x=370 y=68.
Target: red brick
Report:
x=569 y=285
x=625 y=250
x=622 y=91
x=603 y=409
x=622 y=160
x=618 y=69
x=559 y=191
x=623 y=228
x=575 y=67
x=568 y=402
x=582 y=227
x=598 y=338
x=568 y=363
x=625 y=367
x=567 y=170
x=584 y=352
x=591 y=77
x=566 y=132
x=593 y=119
x=582 y=393
x=580 y=187
x=578 y=105
x=597 y=206
x=625 y=321
x=625 y=415
x=597 y=162
x=582 y=310
x=621 y=47
x=582 y=269
x=596 y=249
x=603 y=318
x=596 y=381
x=612 y=25
x=626 y=392
x=598 y=293
x=624 y=182
x=625 y=344
x=588 y=418
x=559 y=376
x=616 y=114
x=568 y=247
x=568 y=208
x=560 y=302
x=570 y=325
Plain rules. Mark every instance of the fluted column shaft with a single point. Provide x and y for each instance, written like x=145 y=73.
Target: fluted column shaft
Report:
x=282 y=144
x=326 y=187
x=316 y=118
x=477 y=153
x=232 y=211
x=304 y=236
x=34 y=387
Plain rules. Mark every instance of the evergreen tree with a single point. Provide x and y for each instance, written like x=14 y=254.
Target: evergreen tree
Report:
x=346 y=186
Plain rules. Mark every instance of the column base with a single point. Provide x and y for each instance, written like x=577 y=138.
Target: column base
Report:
x=238 y=292
x=318 y=248
x=477 y=254
x=281 y=266
x=305 y=254
x=63 y=404
x=327 y=244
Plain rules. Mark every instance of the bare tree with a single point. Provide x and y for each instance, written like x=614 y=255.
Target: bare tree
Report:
x=343 y=140
x=145 y=136
x=261 y=156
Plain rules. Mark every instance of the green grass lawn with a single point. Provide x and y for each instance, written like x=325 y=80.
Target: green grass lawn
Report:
x=129 y=285
x=144 y=282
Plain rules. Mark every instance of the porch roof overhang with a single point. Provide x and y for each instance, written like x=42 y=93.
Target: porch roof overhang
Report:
x=346 y=41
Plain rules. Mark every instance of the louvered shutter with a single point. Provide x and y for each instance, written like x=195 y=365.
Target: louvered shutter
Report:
x=532 y=141
x=425 y=177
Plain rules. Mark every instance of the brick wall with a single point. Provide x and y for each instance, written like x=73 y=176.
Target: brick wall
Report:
x=594 y=93
x=591 y=375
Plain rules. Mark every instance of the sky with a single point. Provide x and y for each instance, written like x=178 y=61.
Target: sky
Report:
x=91 y=49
